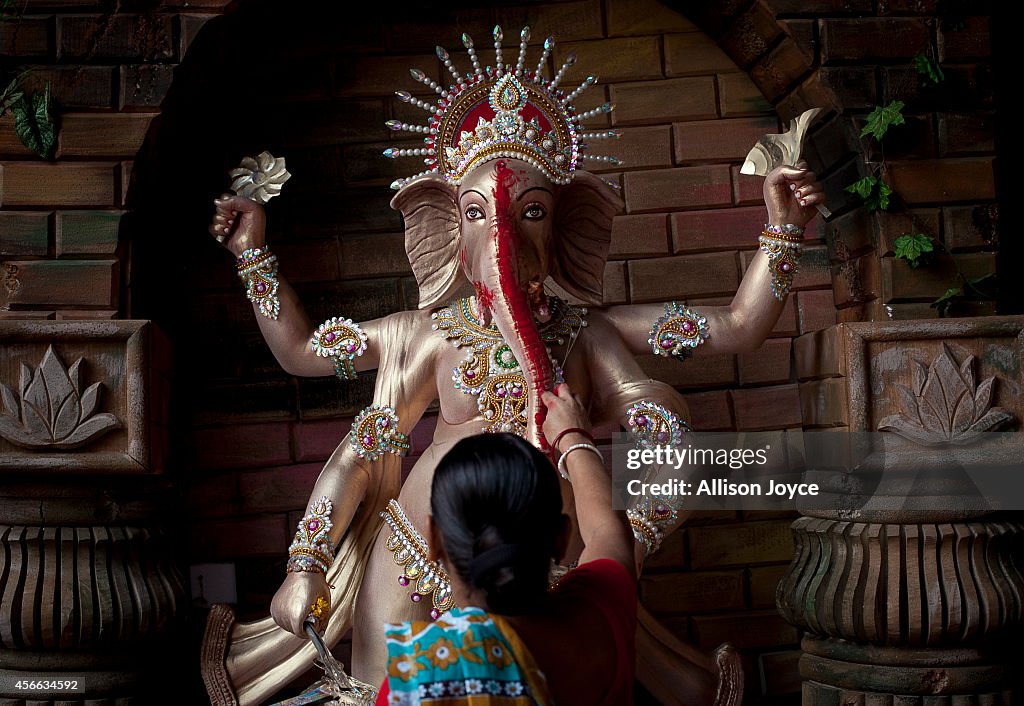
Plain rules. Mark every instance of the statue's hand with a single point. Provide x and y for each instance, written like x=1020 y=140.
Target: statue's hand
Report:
x=293 y=601
x=239 y=223
x=791 y=194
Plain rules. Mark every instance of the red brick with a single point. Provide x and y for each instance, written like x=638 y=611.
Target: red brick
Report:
x=615 y=283
x=212 y=496
x=10 y=145
x=660 y=101
x=784 y=65
x=566 y=20
x=853 y=87
x=64 y=184
x=709 y=411
x=816 y=309
x=971 y=42
x=684 y=276
x=748 y=189
x=25 y=315
x=968 y=227
x=694 y=54
x=629 y=17
x=738 y=96
x=719 y=229
x=768 y=365
x=780 y=672
x=24 y=234
x=91 y=134
x=639 y=236
x=692 y=592
x=831 y=142
x=86 y=315
x=638 y=147
x=671 y=553
x=381 y=75
x=276 y=489
x=87 y=232
x=825 y=403
x=149 y=37
x=70 y=283
x=26 y=36
x=242 y=446
x=766 y=408
x=751 y=34
x=267 y=535
x=901 y=282
x=818 y=355
x=316 y=440
x=851 y=234
x=709 y=371
x=966 y=133
x=374 y=255
x=75 y=86
x=942 y=181
x=856 y=281
x=625 y=59
x=309 y=260
x=872 y=39
x=720 y=140
x=144 y=85
x=740 y=544
x=676 y=189
x=763 y=582
x=786 y=325
x=814 y=270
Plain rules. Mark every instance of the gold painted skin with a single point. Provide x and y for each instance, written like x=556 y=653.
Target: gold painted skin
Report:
x=415 y=364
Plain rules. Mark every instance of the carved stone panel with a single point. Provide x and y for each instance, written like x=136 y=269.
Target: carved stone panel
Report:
x=82 y=397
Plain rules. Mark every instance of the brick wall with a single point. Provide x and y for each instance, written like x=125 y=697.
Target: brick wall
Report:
x=116 y=226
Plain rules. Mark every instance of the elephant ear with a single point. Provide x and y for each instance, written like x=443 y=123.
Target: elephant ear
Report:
x=431 y=214
x=583 y=232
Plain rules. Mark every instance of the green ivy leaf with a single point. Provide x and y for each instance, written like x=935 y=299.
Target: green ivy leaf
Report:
x=33 y=124
x=943 y=303
x=863 y=187
x=882 y=118
x=10 y=95
x=913 y=248
x=929 y=69
x=874 y=192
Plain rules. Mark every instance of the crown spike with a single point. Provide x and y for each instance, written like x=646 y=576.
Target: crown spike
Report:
x=591 y=80
x=407 y=97
x=606 y=108
x=524 y=37
x=549 y=44
x=606 y=135
x=498 y=36
x=395 y=153
x=443 y=55
x=397 y=125
x=600 y=158
x=467 y=42
x=569 y=61
x=427 y=81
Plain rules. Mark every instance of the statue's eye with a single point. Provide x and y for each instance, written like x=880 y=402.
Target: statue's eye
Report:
x=534 y=212
x=474 y=213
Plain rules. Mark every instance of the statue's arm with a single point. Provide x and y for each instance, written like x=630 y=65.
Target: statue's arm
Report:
x=791 y=195
x=240 y=225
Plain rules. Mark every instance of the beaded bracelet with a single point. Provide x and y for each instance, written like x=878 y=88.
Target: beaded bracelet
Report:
x=311 y=548
x=783 y=245
x=257 y=267
x=572 y=430
x=561 y=459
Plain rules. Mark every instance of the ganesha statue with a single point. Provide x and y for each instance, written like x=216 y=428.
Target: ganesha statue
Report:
x=503 y=209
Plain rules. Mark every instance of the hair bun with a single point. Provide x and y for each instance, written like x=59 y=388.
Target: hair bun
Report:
x=496 y=557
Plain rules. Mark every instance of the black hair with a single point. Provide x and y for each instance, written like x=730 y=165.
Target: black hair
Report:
x=497 y=505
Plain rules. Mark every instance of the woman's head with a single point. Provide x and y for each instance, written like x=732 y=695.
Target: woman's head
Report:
x=497 y=510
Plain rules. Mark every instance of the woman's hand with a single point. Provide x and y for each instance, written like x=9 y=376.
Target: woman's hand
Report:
x=239 y=223
x=294 y=600
x=791 y=193
x=565 y=411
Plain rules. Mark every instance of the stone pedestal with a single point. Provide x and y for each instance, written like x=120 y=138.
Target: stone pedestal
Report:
x=919 y=606
x=89 y=586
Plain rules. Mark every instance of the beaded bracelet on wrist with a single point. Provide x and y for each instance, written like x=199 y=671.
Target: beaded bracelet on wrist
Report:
x=257 y=268
x=311 y=549
x=574 y=447
x=783 y=244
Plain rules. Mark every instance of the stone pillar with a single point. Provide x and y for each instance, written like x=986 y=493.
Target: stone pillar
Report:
x=905 y=604
x=89 y=587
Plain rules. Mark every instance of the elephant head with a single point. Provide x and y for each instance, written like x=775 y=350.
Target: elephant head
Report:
x=505 y=229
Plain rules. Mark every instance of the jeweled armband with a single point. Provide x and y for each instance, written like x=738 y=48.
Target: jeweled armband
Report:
x=375 y=433
x=343 y=340
x=653 y=425
x=311 y=549
x=257 y=267
x=783 y=245
x=678 y=332
x=651 y=517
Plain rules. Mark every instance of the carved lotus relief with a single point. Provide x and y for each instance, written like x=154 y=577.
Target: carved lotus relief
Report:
x=51 y=411
x=946 y=405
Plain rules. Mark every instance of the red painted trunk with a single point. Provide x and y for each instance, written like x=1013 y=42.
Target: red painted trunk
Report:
x=512 y=312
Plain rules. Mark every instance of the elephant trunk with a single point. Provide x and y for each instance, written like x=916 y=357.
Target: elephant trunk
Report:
x=511 y=308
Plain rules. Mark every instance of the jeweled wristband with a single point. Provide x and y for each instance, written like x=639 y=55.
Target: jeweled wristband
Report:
x=311 y=549
x=783 y=244
x=257 y=267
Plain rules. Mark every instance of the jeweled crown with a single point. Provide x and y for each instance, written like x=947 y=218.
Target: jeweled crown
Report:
x=503 y=111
